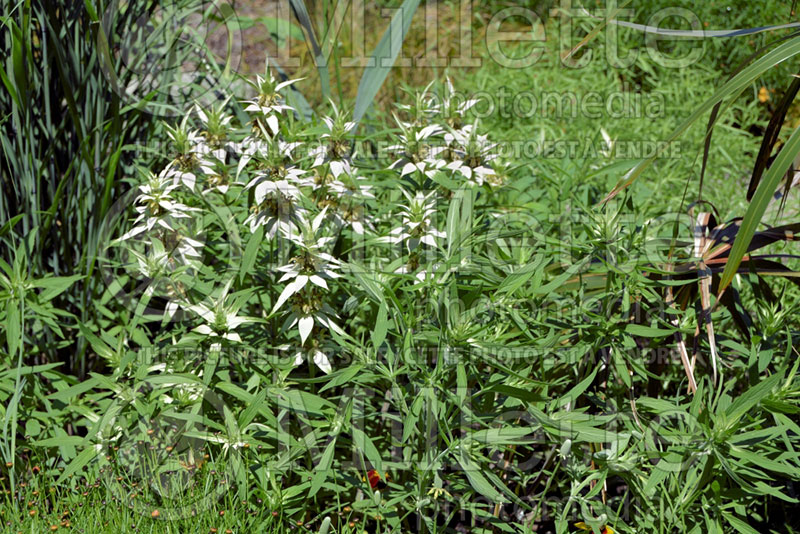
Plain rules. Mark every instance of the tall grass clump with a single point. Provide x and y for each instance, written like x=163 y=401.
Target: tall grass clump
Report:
x=336 y=320
x=71 y=129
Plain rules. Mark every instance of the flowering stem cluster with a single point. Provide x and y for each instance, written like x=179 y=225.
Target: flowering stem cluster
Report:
x=302 y=201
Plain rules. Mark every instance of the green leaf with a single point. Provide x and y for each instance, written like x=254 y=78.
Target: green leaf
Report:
x=765 y=463
x=477 y=480
x=79 y=462
x=13 y=220
x=55 y=285
x=578 y=390
x=253 y=407
x=81 y=387
x=341 y=376
x=657 y=475
x=367 y=281
x=364 y=443
x=411 y=418
x=251 y=253
x=738 y=524
x=459 y=222
x=647 y=331
x=504 y=436
x=91 y=10
x=13 y=327
x=384 y=57
x=173 y=380
x=517 y=393
x=325 y=526
x=30 y=369
x=20 y=65
x=96 y=343
x=461 y=383
x=322 y=469
x=517 y=279
x=621 y=366
x=657 y=406
x=13 y=93
x=559 y=280
x=303 y=402
x=779 y=406
x=750 y=398
x=59 y=441
x=33 y=427
x=381 y=326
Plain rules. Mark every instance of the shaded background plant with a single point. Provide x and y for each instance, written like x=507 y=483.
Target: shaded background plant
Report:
x=520 y=372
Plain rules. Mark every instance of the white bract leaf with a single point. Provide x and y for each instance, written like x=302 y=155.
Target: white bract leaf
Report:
x=305 y=325
x=322 y=362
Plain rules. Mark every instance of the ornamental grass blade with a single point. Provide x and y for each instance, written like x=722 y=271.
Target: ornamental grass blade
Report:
x=701 y=245
x=771 y=136
x=705 y=302
x=596 y=30
x=758 y=206
x=687 y=366
x=786 y=232
x=302 y=16
x=732 y=88
x=724 y=239
x=383 y=57
x=712 y=119
x=765 y=267
x=733 y=302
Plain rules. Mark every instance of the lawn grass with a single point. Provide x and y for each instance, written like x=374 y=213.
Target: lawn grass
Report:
x=588 y=420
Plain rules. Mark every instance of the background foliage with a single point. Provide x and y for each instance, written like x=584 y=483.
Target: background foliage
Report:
x=534 y=380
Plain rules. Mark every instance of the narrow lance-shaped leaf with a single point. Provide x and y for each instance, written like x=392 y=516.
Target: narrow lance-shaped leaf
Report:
x=13 y=326
x=87 y=455
x=365 y=444
x=476 y=479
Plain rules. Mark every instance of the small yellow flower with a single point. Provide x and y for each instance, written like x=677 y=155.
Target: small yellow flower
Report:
x=437 y=492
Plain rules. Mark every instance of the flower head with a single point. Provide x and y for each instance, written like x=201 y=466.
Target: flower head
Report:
x=216 y=127
x=312 y=263
x=191 y=153
x=308 y=273
x=416 y=153
x=348 y=197
x=272 y=159
x=220 y=315
x=156 y=205
x=471 y=154
x=269 y=103
x=451 y=108
x=417 y=227
x=423 y=108
x=277 y=206
x=335 y=147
